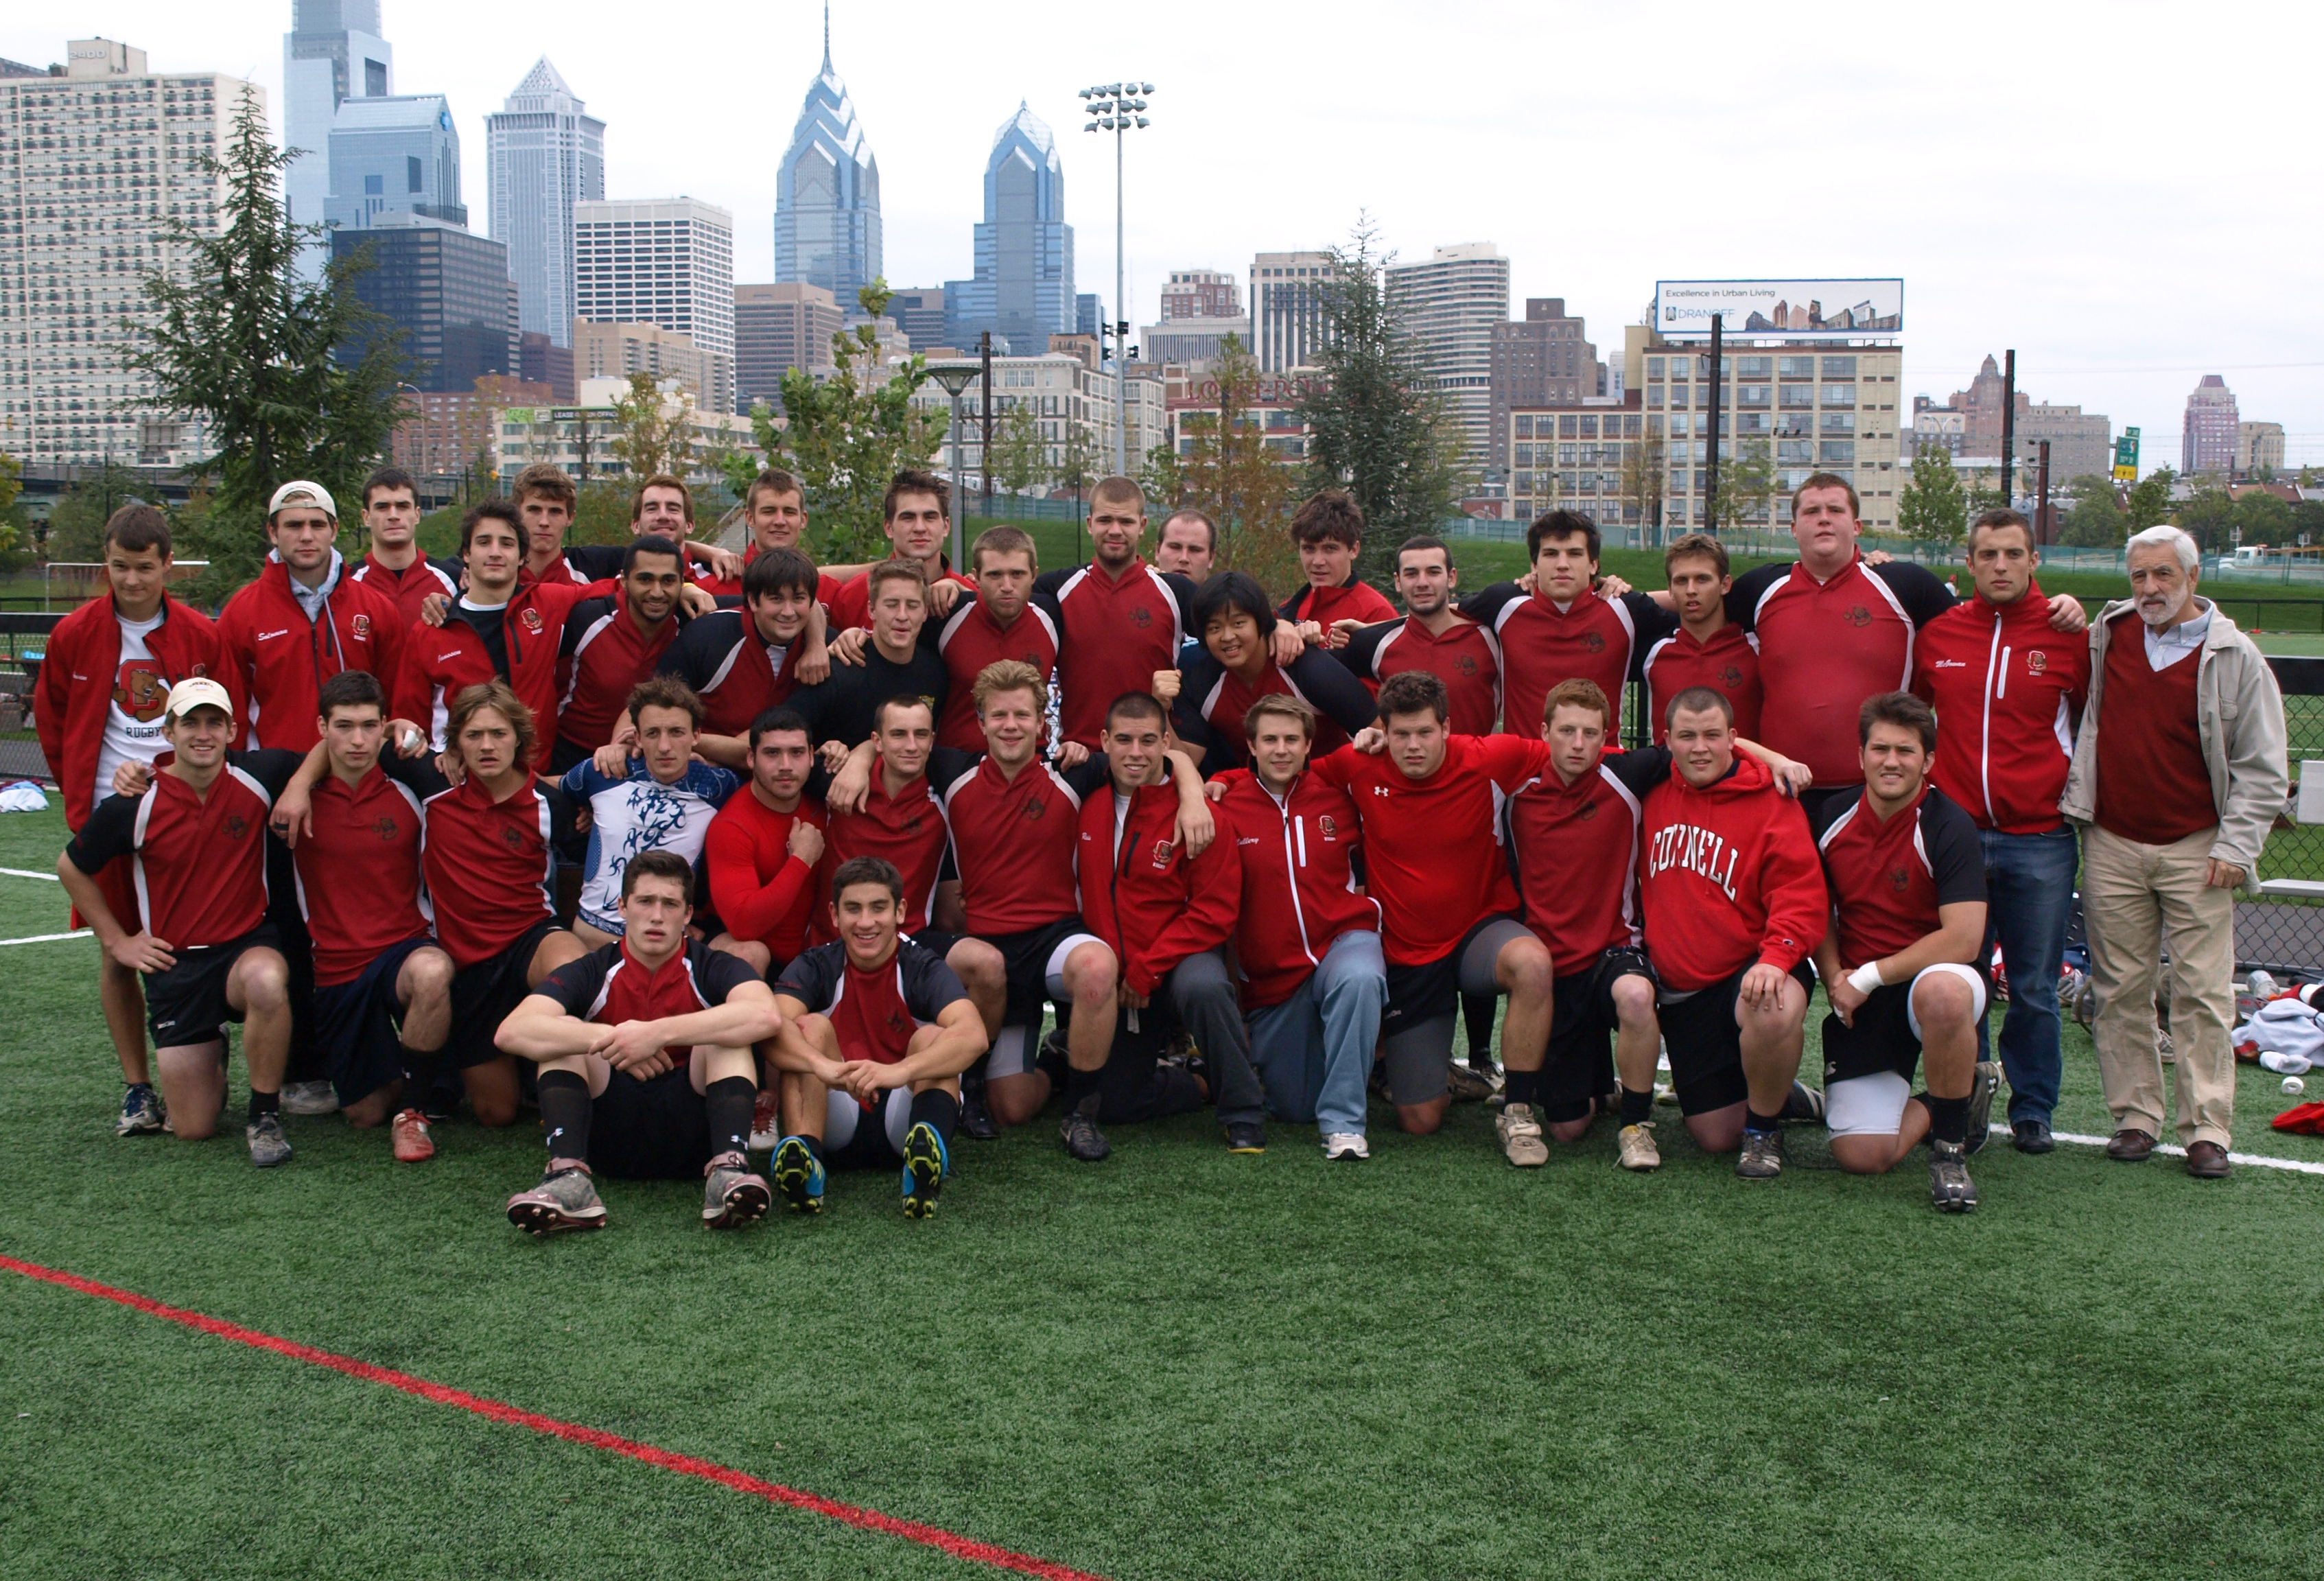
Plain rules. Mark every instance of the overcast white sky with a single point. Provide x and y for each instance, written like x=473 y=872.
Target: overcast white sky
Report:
x=2123 y=192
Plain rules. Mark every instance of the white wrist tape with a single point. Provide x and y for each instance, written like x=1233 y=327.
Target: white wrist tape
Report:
x=1866 y=978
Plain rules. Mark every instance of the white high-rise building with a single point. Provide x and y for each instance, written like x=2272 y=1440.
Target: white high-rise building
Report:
x=1286 y=309
x=665 y=261
x=1450 y=304
x=544 y=155
x=332 y=53
x=94 y=165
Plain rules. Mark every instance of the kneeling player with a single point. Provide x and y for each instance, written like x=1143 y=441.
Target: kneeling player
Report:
x=1734 y=902
x=1901 y=965
x=648 y=1062
x=876 y=1032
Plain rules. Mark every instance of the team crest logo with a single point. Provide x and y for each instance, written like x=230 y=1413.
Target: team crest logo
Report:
x=1731 y=676
x=1899 y=880
x=512 y=839
x=140 y=692
x=1162 y=849
x=1465 y=665
x=361 y=627
x=1594 y=643
x=2036 y=661
x=384 y=827
x=1141 y=617
x=1034 y=810
x=1329 y=826
x=1857 y=615
x=236 y=826
x=534 y=623
x=912 y=824
x=1589 y=810
x=897 y=1024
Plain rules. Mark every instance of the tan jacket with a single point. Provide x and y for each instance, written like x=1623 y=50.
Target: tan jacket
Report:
x=2240 y=711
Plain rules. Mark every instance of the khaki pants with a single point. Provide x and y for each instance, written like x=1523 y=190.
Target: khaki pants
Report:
x=2131 y=894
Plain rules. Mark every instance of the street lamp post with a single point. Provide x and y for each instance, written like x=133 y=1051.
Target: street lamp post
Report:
x=1119 y=107
x=956 y=378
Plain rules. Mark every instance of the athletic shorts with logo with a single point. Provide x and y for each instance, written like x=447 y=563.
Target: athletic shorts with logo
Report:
x=1579 y=1066
x=188 y=1005
x=1869 y=1067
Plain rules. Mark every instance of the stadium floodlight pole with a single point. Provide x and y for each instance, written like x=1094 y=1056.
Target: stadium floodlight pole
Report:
x=1711 y=479
x=2009 y=427
x=956 y=378
x=984 y=415
x=1119 y=107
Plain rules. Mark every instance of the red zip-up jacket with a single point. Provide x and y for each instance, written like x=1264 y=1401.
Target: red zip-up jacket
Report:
x=1730 y=878
x=1298 y=890
x=2008 y=691
x=439 y=662
x=1154 y=907
x=78 y=677
x=275 y=660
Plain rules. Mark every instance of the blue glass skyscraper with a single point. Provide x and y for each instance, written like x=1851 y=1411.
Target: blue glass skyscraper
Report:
x=332 y=53
x=1023 y=290
x=396 y=154
x=827 y=193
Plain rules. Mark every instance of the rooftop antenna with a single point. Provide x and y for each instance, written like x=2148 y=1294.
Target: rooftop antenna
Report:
x=827 y=35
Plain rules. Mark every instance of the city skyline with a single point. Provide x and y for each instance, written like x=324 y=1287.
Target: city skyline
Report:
x=2083 y=308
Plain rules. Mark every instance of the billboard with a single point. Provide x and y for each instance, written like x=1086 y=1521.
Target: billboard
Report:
x=1793 y=309
x=2126 y=457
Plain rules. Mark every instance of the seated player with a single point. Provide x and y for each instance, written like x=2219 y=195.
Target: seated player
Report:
x=1902 y=964
x=196 y=844
x=1165 y=912
x=647 y=1053
x=1431 y=855
x=1734 y=904
x=1307 y=938
x=762 y=849
x=664 y=802
x=875 y=1032
x=1236 y=668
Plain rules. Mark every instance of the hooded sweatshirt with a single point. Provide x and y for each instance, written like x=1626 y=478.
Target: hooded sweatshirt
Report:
x=1730 y=878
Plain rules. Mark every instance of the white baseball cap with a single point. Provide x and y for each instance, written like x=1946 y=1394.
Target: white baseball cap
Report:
x=198 y=691
x=299 y=492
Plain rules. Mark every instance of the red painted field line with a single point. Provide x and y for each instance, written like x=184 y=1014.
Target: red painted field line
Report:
x=958 y=1547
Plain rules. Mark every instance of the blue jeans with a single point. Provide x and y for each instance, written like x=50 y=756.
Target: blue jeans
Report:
x=2029 y=880
x=1313 y=1051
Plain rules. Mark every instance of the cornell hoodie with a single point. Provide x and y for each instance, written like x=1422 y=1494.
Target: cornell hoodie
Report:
x=1141 y=895
x=1732 y=878
x=1297 y=891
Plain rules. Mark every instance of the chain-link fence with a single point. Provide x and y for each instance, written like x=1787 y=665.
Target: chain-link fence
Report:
x=2286 y=929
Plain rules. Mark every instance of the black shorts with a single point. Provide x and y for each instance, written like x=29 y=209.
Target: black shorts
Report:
x=1423 y=992
x=1579 y=1065
x=356 y=1024
x=653 y=1129
x=1026 y=956
x=1883 y=1039
x=186 y=1004
x=1706 y=1045
x=939 y=940
x=483 y=994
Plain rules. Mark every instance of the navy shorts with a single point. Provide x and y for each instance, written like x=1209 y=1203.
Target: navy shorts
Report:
x=483 y=994
x=186 y=1004
x=357 y=1024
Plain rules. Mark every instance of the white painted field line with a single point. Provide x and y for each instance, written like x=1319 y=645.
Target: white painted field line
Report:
x=46 y=938
x=2299 y=1166
x=24 y=873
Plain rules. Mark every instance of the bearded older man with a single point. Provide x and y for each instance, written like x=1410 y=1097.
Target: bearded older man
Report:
x=2179 y=774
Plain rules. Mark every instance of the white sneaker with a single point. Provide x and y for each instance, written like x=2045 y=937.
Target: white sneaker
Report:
x=1344 y=1144
x=1520 y=1137
x=309 y=1098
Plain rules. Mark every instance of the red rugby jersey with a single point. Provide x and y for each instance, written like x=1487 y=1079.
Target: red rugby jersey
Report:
x=850 y=604
x=609 y=985
x=907 y=829
x=733 y=669
x=969 y=639
x=440 y=662
x=1013 y=841
x=358 y=871
x=757 y=888
x=1213 y=699
x=875 y=1012
x=1729 y=664
x=491 y=866
x=1888 y=877
x=1353 y=600
x=1466 y=657
x=1115 y=635
x=1573 y=850
x=605 y=655
x=1591 y=639
x=826 y=585
x=199 y=861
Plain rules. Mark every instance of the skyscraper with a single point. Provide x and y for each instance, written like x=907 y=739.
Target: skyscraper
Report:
x=445 y=287
x=2207 y=441
x=1287 y=310
x=827 y=193
x=1023 y=288
x=332 y=53
x=1544 y=359
x=665 y=261
x=1450 y=304
x=777 y=327
x=395 y=155
x=545 y=156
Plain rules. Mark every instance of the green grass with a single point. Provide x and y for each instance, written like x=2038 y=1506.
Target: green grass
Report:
x=1175 y=1364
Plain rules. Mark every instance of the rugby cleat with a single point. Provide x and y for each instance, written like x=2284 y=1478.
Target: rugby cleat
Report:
x=976 y=1122
x=268 y=1145
x=409 y=1132
x=1081 y=1137
x=1520 y=1136
x=924 y=1170
x=309 y=1098
x=766 y=1120
x=565 y=1200
x=733 y=1197
x=141 y=1113
x=1468 y=1085
x=1635 y=1147
x=1762 y=1158
x=1951 y=1190
x=1981 y=1088
x=797 y=1174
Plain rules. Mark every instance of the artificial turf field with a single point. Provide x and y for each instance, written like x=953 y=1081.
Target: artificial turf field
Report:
x=1177 y=1364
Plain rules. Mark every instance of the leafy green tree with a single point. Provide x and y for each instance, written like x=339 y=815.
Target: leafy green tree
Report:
x=1644 y=476
x=2308 y=522
x=847 y=437
x=1377 y=426
x=2149 y=502
x=1933 y=507
x=1746 y=483
x=76 y=521
x=1232 y=475
x=2209 y=515
x=1076 y=469
x=1019 y=450
x=2096 y=520
x=241 y=339
x=654 y=430
x=2263 y=518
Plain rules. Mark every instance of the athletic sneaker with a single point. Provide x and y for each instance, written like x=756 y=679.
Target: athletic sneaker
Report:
x=1468 y=1085
x=141 y=1113
x=1520 y=1136
x=1246 y=1136
x=1980 y=1106
x=797 y=1174
x=733 y=1197
x=1763 y=1155
x=1635 y=1147
x=766 y=1120
x=924 y=1170
x=268 y=1145
x=1803 y=1103
x=1083 y=1138
x=1345 y=1144
x=309 y=1098
x=1951 y=1190
x=413 y=1144
x=565 y=1200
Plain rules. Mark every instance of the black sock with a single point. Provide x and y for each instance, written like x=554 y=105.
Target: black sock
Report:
x=938 y=1110
x=1638 y=1108
x=1477 y=1011
x=565 y=1113
x=814 y=1146
x=419 y=1076
x=1754 y=1121
x=1080 y=1084
x=1520 y=1086
x=730 y=1101
x=1948 y=1117
x=264 y=1103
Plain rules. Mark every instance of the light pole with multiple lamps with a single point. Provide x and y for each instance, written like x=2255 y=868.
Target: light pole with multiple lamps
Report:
x=1119 y=107
x=956 y=378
